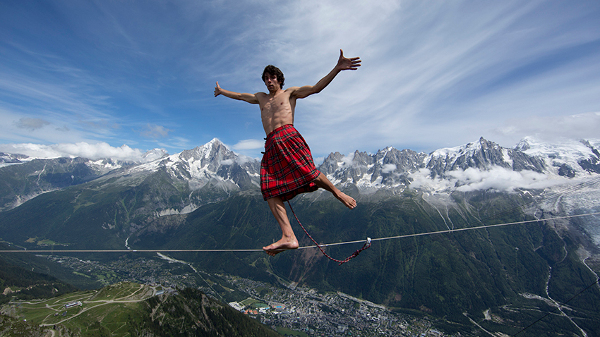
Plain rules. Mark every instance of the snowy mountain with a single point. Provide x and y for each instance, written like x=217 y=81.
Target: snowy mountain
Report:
x=564 y=177
x=568 y=158
x=474 y=166
x=212 y=172
x=24 y=178
x=212 y=162
x=387 y=168
x=566 y=174
x=478 y=165
x=10 y=159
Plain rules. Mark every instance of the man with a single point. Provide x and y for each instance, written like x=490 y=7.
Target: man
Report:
x=287 y=167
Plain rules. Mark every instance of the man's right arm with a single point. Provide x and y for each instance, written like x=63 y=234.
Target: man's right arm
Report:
x=343 y=63
x=250 y=98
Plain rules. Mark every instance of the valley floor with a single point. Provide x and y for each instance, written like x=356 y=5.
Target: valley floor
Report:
x=284 y=307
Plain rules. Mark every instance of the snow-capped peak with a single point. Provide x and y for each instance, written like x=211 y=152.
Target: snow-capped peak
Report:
x=154 y=154
x=565 y=157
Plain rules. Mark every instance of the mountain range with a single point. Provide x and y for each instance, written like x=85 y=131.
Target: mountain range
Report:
x=209 y=198
x=390 y=169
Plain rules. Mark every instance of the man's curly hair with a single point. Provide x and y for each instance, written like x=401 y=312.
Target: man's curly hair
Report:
x=273 y=70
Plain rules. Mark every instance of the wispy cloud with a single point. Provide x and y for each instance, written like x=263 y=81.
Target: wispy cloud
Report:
x=548 y=128
x=249 y=144
x=432 y=70
x=434 y=74
x=31 y=123
x=52 y=94
x=85 y=150
x=155 y=131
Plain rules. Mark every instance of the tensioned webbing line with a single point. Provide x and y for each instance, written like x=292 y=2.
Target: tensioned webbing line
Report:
x=304 y=247
x=454 y=230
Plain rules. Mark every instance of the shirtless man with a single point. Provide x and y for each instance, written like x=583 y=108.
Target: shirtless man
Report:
x=287 y=168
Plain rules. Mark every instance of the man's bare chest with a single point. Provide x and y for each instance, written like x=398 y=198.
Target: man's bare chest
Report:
x=276 y=105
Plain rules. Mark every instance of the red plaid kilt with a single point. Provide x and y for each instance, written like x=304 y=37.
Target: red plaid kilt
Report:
x=287 y=167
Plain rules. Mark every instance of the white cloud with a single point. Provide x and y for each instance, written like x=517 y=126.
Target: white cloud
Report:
x=348 y=160
x=496 y=178
x=387 y=168
x=249 y=144
x=422 y=180
x=501 y=179
x=242 y=159
x=549 y=128
x=434 y=74
x=155 y=131
x=82 y=149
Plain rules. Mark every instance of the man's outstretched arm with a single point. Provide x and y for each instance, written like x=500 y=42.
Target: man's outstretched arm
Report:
x=342 y=64
x=250 y=98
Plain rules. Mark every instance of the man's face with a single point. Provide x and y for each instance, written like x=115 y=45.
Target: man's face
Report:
x=271 y=82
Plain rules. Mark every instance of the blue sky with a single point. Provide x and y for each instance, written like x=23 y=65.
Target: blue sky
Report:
x=118 y=78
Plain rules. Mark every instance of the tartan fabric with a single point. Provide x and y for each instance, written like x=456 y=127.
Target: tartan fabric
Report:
x=287 y=167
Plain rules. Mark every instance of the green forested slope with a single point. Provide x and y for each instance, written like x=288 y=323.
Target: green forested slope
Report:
x=443 y=274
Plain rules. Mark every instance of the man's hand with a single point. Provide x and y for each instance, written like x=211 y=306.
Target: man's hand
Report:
x=217 y=89
x=347 y=63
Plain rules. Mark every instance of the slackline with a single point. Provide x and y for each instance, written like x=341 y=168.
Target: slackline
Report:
x=304 y=247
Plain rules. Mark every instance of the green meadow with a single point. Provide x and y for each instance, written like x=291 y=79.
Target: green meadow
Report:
x=109 y=310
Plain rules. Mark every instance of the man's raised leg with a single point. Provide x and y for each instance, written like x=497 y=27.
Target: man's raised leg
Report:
x=288 y=239
x=323 y=182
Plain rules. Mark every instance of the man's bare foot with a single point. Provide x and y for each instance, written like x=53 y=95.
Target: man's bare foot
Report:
x=281 y=245
x=323 y=182
x=346 y=200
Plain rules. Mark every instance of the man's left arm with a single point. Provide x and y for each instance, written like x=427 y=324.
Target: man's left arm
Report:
x=342 y=64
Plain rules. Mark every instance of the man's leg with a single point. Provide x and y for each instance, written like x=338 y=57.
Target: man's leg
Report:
x=323 y=182
x=288 y=239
